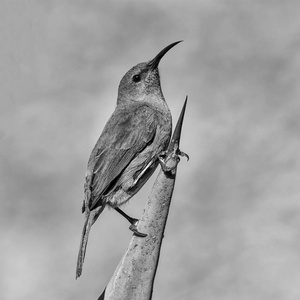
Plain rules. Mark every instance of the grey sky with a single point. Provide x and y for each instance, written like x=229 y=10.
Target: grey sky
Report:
x=233 y=229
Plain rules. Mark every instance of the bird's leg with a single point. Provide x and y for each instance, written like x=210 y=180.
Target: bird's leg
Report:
x=163 y=158
x=143 y=172
x=132 y=221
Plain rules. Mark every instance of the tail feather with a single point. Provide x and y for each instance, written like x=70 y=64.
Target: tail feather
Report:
x=90 y=218
x=84 y=239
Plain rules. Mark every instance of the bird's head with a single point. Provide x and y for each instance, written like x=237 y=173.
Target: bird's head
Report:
x=142 y=80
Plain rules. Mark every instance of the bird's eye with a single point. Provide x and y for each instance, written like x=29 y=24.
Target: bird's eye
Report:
x=136 y=78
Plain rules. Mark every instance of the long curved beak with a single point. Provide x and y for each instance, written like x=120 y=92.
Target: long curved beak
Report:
x=153 y=64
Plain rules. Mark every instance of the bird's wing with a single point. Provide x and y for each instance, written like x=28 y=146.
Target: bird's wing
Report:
x=125 y=135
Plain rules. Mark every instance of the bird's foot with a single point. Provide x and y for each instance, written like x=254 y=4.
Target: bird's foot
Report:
x=134 y=222
x=133 y=227
x=166 y=160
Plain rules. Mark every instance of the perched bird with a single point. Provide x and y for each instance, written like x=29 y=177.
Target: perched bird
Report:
x=126 y=154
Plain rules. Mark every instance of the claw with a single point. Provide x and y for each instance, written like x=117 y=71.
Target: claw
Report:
x=183 y=154
x=133 y=227
x=162 y=155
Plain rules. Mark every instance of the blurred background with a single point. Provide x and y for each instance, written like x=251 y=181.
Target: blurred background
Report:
x=234 y=226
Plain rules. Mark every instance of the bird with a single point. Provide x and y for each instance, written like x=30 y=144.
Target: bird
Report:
x=126 y=153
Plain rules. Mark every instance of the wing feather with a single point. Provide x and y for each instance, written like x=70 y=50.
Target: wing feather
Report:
x=126 y=134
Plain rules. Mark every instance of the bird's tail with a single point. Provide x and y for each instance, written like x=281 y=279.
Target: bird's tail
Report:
x=90 y=218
